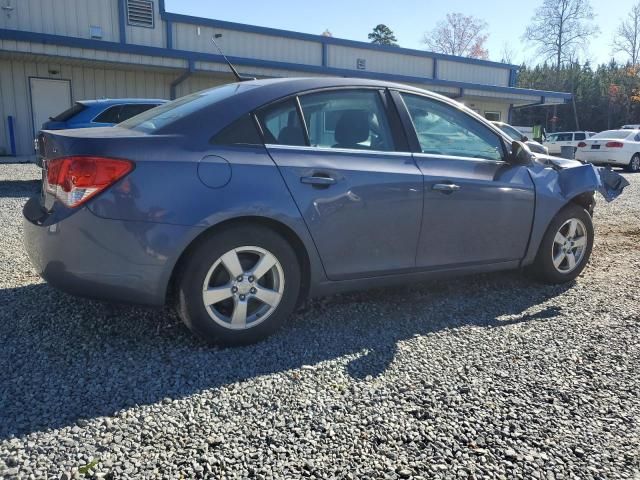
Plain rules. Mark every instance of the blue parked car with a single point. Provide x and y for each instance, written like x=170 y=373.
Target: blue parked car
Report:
x=236 y=203
x=100 y=113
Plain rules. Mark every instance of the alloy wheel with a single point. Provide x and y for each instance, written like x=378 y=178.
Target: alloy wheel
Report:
x=569 y=246
x=635 y=163
x=243 y=287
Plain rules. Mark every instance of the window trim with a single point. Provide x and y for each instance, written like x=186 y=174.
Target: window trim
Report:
x=412 y=135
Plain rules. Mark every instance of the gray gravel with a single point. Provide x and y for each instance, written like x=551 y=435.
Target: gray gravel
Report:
x=485 y=377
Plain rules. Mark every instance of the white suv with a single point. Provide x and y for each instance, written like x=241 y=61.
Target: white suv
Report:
x=555 y=141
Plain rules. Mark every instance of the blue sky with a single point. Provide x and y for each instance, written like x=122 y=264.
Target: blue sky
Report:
x=354 y=19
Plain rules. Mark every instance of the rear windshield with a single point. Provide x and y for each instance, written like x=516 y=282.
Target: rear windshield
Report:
x=168 y=113
x=618 y=134
x=69 y=113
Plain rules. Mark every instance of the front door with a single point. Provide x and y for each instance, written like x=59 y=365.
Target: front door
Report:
x=360 y=198
x=477 y=208
x=49 y=97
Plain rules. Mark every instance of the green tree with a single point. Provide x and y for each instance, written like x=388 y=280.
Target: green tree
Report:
x=383 y=35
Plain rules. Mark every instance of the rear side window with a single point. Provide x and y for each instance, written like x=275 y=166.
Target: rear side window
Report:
x=241 y=132
x=351 y=119
x=69 y=113
x=133 y=109
x=579 y=136
x=281 y=124
x=110 y=115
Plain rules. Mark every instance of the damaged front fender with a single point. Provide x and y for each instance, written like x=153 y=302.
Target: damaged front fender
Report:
x=558 y=181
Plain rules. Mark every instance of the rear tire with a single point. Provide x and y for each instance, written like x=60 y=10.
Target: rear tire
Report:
x=238 y=285
x=566 y=246
x=634 y=164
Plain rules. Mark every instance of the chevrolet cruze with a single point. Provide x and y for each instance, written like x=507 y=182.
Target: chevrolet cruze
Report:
x=236 y=203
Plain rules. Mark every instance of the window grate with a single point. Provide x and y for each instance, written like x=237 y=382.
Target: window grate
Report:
x=140 y=13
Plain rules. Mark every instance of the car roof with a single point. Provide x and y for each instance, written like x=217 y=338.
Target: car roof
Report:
x=118 y=101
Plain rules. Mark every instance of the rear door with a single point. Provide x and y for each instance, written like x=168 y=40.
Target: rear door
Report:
x=478 y=209
x=49 y=97
x=360 y=197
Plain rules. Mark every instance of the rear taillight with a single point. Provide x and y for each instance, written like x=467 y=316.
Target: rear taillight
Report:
x=614 y=144
x=582 y=145
x=74 y=180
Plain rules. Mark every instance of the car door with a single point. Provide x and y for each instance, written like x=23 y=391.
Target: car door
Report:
x=360 y=197
x=478 y=209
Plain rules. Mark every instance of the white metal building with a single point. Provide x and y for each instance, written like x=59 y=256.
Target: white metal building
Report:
x=53 y=52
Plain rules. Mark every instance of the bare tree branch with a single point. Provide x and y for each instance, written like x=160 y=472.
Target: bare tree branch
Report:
x=560 y=28
x=627 y=38
x=461 y=35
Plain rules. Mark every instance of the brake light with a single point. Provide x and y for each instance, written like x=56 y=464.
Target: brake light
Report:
x=614 y=145
x=74 y=180
x=582 y=145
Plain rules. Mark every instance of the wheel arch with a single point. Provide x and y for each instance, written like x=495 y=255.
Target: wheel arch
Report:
x=287 y=232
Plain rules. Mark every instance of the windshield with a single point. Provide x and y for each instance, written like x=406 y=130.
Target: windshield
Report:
x=168 y=113
x=617 y=134
x=514 y=133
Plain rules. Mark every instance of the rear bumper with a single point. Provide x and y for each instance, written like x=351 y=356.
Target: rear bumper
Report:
x=89 y=256
x=604 y=158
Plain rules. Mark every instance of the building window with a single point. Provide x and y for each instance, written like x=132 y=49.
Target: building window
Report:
x=140 y=13
x=492 y=116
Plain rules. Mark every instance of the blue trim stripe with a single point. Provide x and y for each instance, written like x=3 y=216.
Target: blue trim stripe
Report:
x=122 y=24
x=12 y=135
x=52 y=39
x=325 y=54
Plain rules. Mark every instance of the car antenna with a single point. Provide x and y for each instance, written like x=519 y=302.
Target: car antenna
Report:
x=239 y=77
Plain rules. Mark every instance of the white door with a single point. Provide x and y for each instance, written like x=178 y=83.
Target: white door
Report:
x=49 y=97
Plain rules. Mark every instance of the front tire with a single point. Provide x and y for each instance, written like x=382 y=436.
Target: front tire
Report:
x=566 y=246
x=634 y=164
x=238 y=285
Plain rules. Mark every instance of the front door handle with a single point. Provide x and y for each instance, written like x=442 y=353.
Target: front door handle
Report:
x=446 y=187
x=317 y=180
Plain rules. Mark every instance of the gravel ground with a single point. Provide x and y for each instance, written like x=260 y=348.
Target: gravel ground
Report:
x=485 y=377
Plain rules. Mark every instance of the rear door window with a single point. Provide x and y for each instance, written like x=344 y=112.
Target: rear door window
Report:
x=241 y=132
x=579 y=136
x=110 y=115
x=133 y=109
x=350 y=119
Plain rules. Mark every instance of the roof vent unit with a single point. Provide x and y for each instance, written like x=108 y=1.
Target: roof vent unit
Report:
x=140 y=13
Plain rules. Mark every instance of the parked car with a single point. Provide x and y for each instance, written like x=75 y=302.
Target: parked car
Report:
x=619 y=148
x=100 y=113
x=555 y=141
x=236 y=203
x=630 y=127
x=516 y=134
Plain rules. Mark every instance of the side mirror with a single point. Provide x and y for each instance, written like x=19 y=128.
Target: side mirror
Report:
x=520 y=154
x=525 y=138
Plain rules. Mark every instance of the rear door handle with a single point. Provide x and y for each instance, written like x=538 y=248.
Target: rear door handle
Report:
x=318 y=180
x=446 y=187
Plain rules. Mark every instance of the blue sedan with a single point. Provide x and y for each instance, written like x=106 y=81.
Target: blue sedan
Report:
x=100 y=113
x=236 y=203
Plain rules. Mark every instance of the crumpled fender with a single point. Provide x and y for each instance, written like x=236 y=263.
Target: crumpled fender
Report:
x=557 y=181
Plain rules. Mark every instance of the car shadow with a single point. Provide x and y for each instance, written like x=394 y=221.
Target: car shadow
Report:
x=58 y=350
x=18 y=188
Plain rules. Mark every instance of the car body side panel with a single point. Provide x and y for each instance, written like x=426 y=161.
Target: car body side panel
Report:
x=487 y=220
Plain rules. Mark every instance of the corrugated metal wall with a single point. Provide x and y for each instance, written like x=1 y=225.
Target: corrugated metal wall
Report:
x=379 y=61
x=62 y=17
x=243 y=44
x=472 y=73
